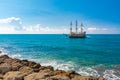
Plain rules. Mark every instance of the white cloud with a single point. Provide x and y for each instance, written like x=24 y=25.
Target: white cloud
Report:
x=14 y=25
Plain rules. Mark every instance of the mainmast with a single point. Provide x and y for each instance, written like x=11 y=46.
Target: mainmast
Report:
x=71 y=27
x=76 y=26
x=81 y=27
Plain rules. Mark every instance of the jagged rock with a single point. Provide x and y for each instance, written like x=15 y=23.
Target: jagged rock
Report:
x=59 y=77
x=26 y=70
x=16 y=66
x=1 y=76
x=39 y=76
x=47 y=67
x=25 y=62
x=34 y=64
x=14 y=75
x=84 y=78
x=60 y=72
x=8 y=60
x=3 y=57
x=5 y=67
x=72 y=74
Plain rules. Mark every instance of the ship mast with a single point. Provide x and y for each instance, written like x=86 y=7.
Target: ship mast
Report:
x=81 y=27
x=71 y=27
x=76 y=26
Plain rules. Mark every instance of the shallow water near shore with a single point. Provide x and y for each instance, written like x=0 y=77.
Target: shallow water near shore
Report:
x=96 y=55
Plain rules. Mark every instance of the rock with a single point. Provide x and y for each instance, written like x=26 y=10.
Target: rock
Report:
x=1 y=76
x=16 y=66
x=84 y=78
x=25 y=62
x=3 y=57
x=72 y=74
x=47 y=67
x=34 y=64
x=59 y=77
x=39 y=76
x=14 y=75
x=8 y=60
x=26 y=70
x=60 y=72
x=5 y=67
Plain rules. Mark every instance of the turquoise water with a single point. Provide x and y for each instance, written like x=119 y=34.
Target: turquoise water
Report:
x=96 y=55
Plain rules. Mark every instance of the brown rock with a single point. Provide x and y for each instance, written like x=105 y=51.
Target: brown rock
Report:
x=84 y=78
x=5 y=67
x=34 y=64
x=14 y=75
x=36 y=76
x=25 y=62
x=3 y=57
x=1 y=76
x=59 y=77
x=43 y=74
x=47 y=67
x=60 y=72
x=72 y=74
x=16 y=66
x=26 y=70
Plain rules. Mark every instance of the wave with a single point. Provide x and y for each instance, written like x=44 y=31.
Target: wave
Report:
x=2 y=52
x=97 y=71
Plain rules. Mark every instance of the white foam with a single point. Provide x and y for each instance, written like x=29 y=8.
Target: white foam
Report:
x=85 y=71
x=2 y=52
x=109 y=75
x=16 y=56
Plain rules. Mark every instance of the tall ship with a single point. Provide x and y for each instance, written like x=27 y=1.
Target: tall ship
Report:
x=77 y=34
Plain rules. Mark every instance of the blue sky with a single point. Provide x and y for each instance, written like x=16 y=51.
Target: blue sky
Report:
x=54 y=16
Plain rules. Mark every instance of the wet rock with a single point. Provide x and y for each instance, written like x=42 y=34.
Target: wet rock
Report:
x=59 y=77
x=36 y=76
x=5 y=67
x=60 y=72
x=47 y=67
x=26 y=70
x=16 y=66
x=1 y=76
x=72 y=74
x=25 y=62
x=3 y=57
x=14 y=75
x=84 y=78
x=34 y=65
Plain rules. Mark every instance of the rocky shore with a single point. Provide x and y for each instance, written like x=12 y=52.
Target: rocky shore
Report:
x=16 y=69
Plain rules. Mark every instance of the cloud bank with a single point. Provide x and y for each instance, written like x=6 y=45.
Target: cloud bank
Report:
x=14 y=25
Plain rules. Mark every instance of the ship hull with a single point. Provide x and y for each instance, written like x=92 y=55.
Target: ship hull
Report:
x=80 y=35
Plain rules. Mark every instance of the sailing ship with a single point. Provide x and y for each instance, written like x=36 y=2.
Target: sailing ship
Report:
x=77 y=34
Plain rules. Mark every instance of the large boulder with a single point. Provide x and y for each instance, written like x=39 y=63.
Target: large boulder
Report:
x=5 y=67
x=26 y=70
x=35 y=66
x=16 y=66
x=39 y=76
x=25 y=62
x=60 y=72
x=47 y=67
x=59 y=77
x=3 y=57
x=85 y=78
x=14 y=75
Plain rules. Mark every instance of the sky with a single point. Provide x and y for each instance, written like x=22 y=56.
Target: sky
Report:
x=54 y=16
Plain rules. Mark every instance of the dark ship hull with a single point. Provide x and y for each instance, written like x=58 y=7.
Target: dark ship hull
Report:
x=77 y=35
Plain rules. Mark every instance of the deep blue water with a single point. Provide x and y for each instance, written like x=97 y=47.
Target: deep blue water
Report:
x=96 y=55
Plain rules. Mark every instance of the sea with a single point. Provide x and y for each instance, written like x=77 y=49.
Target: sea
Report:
x=96 y=55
